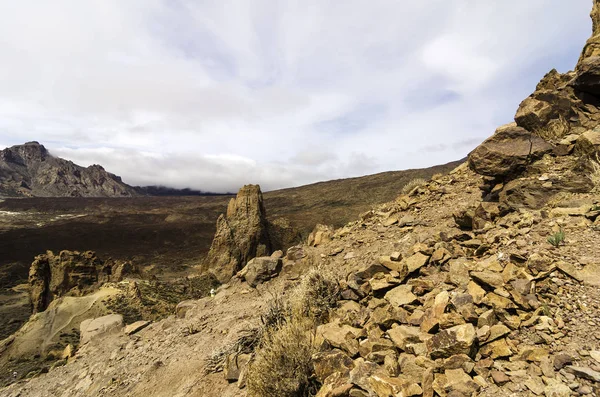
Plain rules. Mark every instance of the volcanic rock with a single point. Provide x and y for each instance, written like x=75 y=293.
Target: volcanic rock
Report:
x=242 y=234
x=30 y=170
x=72 y=273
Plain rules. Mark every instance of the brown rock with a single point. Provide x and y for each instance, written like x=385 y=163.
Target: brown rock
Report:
x=507 y=152
x=401 y=295
x=416 y=261
x=70 y=273
x=328 y=362
x=455 y=340
x=242 y=234
x=320 y=235
x=499 y=377
x=260 y=270
x=404 y=335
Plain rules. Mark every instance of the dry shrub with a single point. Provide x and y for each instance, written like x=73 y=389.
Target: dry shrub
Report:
x=413 y=184
x=282 y=364
x=315 y=296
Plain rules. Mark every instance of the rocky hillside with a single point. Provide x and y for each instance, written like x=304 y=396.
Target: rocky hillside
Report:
x=480 y=282
x=29 y=170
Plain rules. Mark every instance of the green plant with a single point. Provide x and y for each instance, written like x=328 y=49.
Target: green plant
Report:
x=413 y=184
x=557 y=238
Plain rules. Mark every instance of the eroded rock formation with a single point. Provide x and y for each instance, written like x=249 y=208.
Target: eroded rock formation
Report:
x=550 y=147
x=70 y=273
x=242 y=234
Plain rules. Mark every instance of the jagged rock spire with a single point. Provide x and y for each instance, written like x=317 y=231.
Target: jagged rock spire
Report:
x=592 y=47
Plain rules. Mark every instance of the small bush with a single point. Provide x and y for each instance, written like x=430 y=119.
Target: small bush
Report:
x=557 y=238
x=282 y=364
x=410 y=186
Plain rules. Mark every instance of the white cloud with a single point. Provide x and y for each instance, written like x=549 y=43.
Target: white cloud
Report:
x=215 y=95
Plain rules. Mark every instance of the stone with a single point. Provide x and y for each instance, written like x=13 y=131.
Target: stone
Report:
x=385 y=386
x=416 y=261
x=455 y=340
x=388 y=315
x=595 y=354
x=499 y=377
x=234 y=365
x=507 y=152
x=455 y=382
x=328 y=362
x=320 y=235
x=242 y=233
x=459 y=272
x=561 y=360
x=570 y=270
x=341 y=336
x=536 y=385
x=93 y=328
x=534 y=114
x=362 y=371
x=496 y=349
x=490 y=278
x=404 y=335
x=498 y=331
x=585 y=373
x=394 y=265
x=135 y=327
x=476 y=292
x=556 y=388
x=433 y=315
x=261 y=269
x=401 y=295
x=533 y=354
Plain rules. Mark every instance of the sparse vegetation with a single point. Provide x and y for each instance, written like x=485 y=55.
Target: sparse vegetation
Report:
x=414 y=183
x=557 y=238
x=282 y=364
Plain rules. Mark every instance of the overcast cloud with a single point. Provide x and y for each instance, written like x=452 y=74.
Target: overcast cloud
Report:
x=215 y=94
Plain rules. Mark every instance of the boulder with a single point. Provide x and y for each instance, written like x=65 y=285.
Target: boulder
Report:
x=259 y=270
x=93 y=328
x=242 y=234
x=507 y=152
x=534 y=114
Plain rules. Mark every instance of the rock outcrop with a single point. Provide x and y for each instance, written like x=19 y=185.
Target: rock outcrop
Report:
x=30 y=170
x=554 y=136
x=242 y=234
x=70 y=273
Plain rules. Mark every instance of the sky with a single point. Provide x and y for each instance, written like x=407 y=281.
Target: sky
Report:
x=213 y=95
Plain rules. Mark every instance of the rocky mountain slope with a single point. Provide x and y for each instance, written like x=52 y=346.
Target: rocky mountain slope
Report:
x=30 y=170
x=480 y=282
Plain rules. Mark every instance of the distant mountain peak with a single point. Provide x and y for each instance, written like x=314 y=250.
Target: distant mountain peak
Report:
x=30 y=170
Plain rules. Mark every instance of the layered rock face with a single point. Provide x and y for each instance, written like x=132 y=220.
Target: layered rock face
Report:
x=242 y=234
x=30 y=170
x=555 y=140
x=70 y=273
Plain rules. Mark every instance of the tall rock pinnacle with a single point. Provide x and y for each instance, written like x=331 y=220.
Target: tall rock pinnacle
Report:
x=242 y=234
